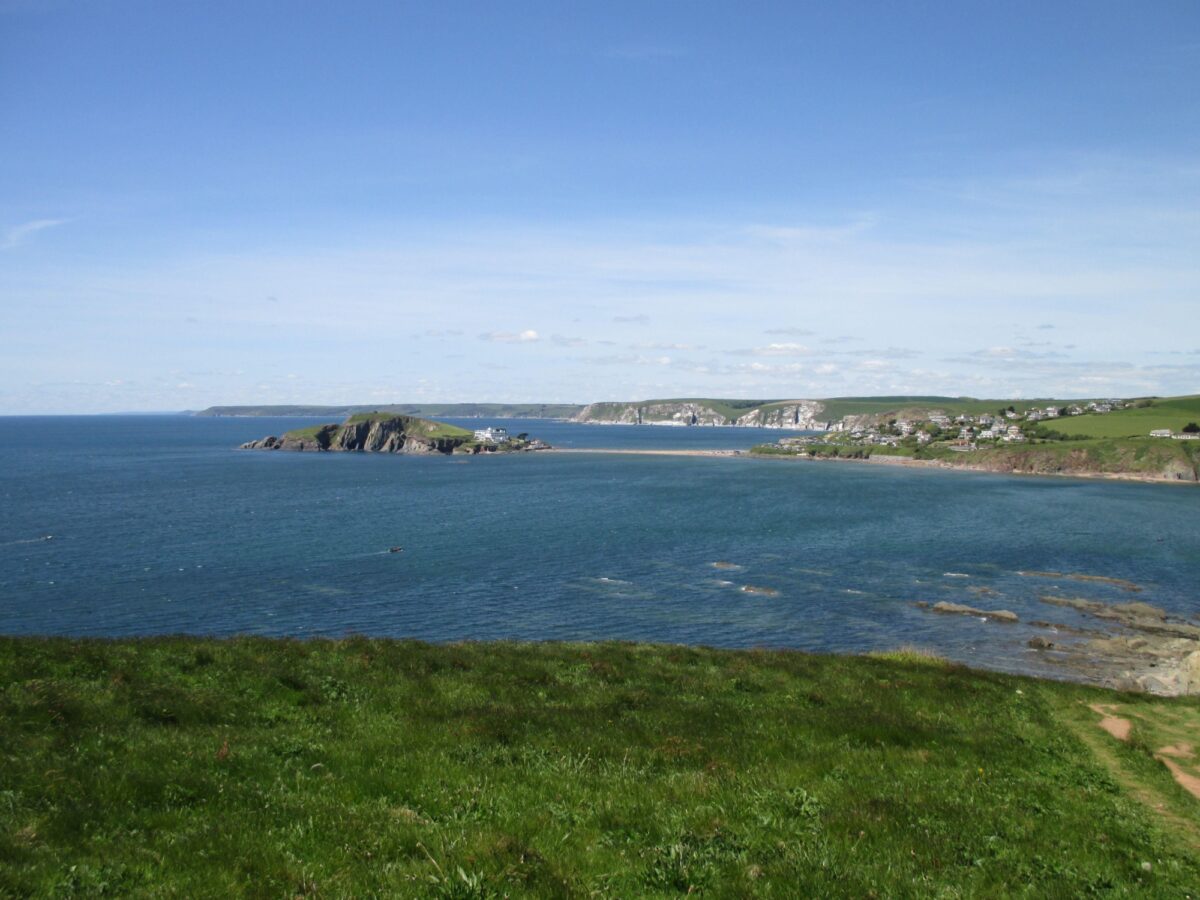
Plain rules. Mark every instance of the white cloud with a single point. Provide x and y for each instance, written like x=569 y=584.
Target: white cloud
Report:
x=780 y=349
x=909 y=287
x=19 y=234
x=528 y=336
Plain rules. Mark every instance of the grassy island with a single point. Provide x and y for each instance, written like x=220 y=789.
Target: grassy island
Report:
x=384 y=432
x=203 y=768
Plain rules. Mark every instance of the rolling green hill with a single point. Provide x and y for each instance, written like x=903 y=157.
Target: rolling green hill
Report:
x=727 y=411
x=174 y=767
x=1169 y=412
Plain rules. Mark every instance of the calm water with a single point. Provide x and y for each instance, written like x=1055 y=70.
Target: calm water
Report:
x=159 y=526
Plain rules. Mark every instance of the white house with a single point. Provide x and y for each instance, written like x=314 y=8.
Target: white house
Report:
x=1161 y=432
x=491 y=435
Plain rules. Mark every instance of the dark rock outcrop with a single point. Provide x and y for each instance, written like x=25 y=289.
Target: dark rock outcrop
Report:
x=382 y=434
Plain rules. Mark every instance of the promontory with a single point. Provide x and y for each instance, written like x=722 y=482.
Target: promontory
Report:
x=375 y=432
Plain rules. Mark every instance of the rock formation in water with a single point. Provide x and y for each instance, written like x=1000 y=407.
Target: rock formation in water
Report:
x=376 y=433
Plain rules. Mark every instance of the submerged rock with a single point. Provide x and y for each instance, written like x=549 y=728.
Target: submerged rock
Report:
x=998 y=615
x=756 y=589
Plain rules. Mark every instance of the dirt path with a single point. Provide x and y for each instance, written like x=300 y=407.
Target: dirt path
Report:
x=1116 y=722
x=1113 y=724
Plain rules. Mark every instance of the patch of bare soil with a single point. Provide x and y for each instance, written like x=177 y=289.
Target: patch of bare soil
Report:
x=1114 y=725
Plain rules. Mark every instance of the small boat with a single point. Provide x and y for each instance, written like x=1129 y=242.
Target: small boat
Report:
x=395 y=550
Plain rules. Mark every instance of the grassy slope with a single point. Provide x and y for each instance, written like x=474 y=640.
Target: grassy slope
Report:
x=1113 y=455
x=421 y=427
x=214 y=768
x=838 y=407
x=1126 y=456
x=1173 y=413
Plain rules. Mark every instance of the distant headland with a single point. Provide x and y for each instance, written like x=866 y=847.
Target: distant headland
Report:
x=381 y=432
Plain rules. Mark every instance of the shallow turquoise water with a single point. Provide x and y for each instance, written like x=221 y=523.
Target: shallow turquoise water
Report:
x=159 y=525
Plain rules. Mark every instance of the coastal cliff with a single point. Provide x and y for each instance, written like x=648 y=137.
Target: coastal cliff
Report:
x=1142 y=459
x=1130 y=459
x=383 y=433
x=793 y=414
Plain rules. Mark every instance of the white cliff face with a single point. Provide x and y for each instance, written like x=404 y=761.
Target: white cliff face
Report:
x=608 y=414
x=650 y=414
x=797 y=414
x=680 y=414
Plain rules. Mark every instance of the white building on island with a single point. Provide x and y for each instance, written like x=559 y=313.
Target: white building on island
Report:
x=491 y=435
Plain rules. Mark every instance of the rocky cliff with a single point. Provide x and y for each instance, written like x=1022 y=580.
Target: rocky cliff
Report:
x=802 y=415
x=797 y=414
x=373 y=433
x=1143 y=460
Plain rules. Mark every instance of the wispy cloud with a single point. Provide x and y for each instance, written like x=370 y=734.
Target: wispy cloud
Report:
x=19 y=234
x=528 y=336
x=915 y=304
x=781 y=349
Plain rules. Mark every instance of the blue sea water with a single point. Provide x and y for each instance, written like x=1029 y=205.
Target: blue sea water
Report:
x=159 y=526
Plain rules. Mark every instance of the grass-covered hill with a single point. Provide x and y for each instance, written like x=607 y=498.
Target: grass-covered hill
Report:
x=1150 y=458
x=1174 y=413
x=254 y=767
x=708 y=410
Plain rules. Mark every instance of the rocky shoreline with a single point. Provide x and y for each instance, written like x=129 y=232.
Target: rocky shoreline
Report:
x=887 y=461
x=1133 y=646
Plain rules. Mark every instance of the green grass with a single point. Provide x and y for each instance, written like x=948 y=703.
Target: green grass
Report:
x=1133 y=456
x=412 y=425
x=308 y=433
x=1173 y=413
x=202 y=768
x=838 y=407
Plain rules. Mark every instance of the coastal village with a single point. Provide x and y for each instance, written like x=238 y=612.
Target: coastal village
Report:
x=961 y=433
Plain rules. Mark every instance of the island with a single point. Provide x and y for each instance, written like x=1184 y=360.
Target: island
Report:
x=385 y=432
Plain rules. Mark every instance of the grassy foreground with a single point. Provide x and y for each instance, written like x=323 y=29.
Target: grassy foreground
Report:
x=195 y=768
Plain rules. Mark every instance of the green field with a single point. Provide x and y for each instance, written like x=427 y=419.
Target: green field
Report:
x=200 y=768
x=1172 y=412
x=838 y=407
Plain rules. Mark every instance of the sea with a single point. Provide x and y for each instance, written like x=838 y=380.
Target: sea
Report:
x=147 y=525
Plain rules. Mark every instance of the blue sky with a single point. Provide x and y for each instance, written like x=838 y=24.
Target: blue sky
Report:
x=251 y=202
